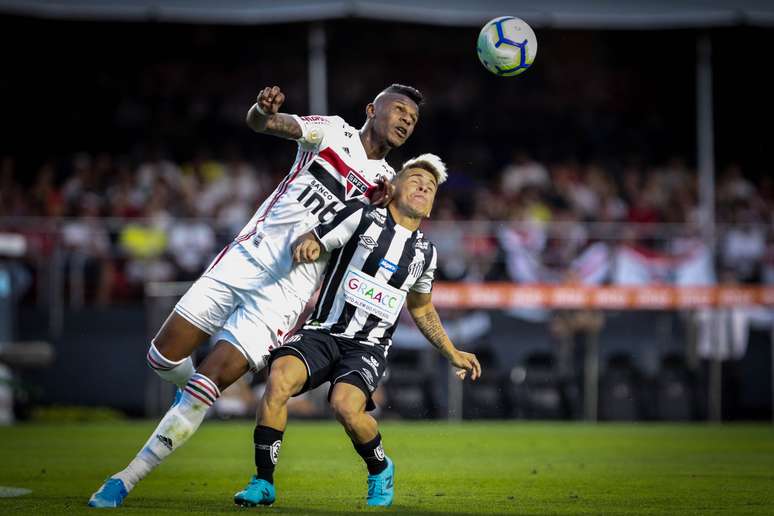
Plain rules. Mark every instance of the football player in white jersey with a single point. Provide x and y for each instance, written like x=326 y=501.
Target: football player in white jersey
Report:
x=251 y=294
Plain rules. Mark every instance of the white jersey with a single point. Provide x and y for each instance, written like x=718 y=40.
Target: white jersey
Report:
x=331 y=170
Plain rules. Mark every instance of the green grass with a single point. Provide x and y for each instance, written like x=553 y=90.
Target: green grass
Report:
x=474 y=468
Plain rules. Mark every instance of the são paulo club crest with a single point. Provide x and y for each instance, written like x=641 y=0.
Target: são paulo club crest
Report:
x=356 y=185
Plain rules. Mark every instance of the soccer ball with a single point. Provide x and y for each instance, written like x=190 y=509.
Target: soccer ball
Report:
x=507 y=46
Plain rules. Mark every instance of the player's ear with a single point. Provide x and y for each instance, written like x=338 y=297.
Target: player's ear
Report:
x=370 y=110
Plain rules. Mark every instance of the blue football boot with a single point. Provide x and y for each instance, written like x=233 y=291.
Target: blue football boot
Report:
x=111 y=494
x=257 y=492
x=381 y=487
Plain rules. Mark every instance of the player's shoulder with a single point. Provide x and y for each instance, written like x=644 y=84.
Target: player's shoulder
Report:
x=375 y=213
x=425 y=245
x=389 y=172
x=332 y=121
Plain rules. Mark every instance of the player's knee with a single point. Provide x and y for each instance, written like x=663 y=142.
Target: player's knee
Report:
x=345 y=411
x=157 y=360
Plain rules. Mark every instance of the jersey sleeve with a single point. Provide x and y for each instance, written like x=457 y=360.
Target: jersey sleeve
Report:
x=338 y=231
x=315 y=128
x=424 y=285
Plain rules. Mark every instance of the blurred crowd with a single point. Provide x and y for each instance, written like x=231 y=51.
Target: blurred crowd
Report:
x=125 y=223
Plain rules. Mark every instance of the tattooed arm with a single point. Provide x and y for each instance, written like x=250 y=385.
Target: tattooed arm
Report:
x=421 y=308
x=272 y=122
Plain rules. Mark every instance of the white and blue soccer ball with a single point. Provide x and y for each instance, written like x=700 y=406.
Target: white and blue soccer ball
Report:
x=507 y=46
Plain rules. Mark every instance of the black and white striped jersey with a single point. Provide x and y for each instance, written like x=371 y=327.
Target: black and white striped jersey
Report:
x=374 y=263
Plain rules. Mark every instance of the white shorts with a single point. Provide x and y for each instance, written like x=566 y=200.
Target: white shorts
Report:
x=238 y=301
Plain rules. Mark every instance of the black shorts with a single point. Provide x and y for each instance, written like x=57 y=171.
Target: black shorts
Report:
x=335 y=359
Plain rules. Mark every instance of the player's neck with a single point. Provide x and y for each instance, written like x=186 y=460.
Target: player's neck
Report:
x=405 y=220
x=373 y=149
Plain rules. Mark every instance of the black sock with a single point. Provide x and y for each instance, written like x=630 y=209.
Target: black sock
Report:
x=267 y=446
x=373 y=454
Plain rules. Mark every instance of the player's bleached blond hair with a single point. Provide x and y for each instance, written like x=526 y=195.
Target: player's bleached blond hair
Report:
x=429 y=162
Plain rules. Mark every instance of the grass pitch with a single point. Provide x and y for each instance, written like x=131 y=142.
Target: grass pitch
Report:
x=472 y=468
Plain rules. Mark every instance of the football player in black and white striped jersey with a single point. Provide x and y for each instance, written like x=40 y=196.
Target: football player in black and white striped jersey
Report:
x=378 y=260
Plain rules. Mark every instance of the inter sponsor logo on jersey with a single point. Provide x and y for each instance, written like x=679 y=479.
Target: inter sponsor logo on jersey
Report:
x=387 y=264
x=320 y=201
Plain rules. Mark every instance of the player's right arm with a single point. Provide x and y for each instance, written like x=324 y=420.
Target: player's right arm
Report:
x=264 y=116
x=328 y=236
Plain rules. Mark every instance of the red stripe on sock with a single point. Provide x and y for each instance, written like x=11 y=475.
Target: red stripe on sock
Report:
x=156 y=365
x=205 y=385
x=198 y=397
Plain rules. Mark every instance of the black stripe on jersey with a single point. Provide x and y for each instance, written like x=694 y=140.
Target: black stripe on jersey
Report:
x=341 y=216
x=337 y=265
x=428 y=254
x=328 y=181
x=370 y=267
x=396 y=280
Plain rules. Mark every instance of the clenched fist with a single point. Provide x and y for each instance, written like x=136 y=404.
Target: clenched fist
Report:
x=306 y=249
x=270 y=99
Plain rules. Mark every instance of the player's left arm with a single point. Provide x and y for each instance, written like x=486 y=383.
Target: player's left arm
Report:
x=421 y=308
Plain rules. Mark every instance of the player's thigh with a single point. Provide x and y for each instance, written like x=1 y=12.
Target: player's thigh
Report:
x=206 y=306
x=360 y=367
x=314 y=352
x=287 y=377
x=178 y=337
x=224 y=365
x=271 y=300
x=247 y=332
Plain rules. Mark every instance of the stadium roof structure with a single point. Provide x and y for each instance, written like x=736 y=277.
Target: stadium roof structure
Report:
x=570 y=14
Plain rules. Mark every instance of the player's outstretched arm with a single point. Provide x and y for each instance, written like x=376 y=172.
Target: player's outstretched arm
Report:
x=307 y=248
x=421 y=308
x=264 y=116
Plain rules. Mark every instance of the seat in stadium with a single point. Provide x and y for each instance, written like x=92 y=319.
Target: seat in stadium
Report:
x=620 y=395
x=408 y=385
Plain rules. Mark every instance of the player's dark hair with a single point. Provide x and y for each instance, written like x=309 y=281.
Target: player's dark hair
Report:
x=408 y=91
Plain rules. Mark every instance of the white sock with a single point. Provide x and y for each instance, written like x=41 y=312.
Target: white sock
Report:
x=176 y=427
x=174 y=372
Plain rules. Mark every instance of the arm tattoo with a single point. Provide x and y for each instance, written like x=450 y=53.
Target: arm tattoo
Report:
x=283 y=125
x=431 y=327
